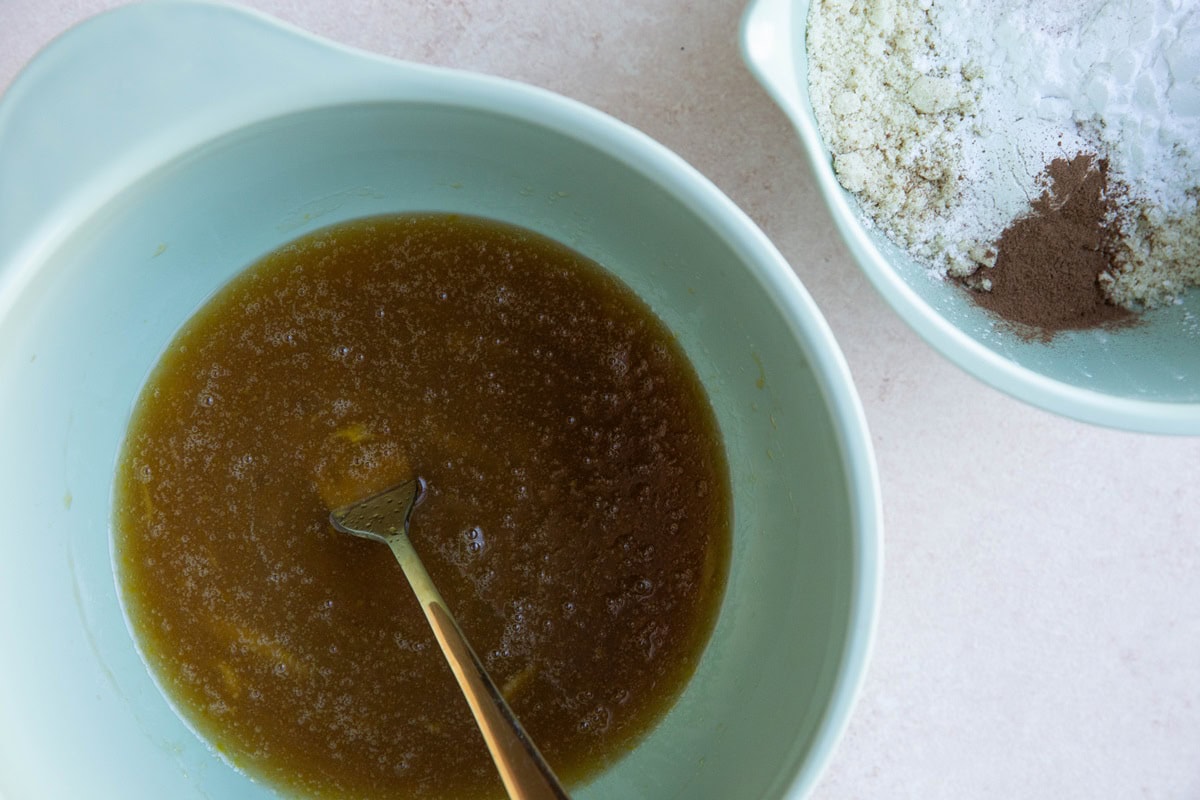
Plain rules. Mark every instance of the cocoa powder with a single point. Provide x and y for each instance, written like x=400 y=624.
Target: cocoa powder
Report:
x=1048 y=263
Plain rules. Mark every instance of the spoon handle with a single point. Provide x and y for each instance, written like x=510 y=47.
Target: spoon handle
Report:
x=525 y=773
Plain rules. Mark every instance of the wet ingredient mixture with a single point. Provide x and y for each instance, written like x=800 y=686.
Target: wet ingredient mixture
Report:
x=577 y=519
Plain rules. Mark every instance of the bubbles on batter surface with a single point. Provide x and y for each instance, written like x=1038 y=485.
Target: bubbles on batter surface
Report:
x=475 y=540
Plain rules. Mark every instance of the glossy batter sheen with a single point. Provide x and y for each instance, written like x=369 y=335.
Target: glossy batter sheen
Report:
x=577 y=517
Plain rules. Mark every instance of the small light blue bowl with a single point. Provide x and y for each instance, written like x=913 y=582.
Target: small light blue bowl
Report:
x=1142 y=378
x=150 y=154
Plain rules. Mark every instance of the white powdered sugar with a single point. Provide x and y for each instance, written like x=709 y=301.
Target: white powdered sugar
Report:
x=942 y=117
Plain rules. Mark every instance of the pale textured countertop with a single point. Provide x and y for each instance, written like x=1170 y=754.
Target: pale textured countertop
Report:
x=1040 y=631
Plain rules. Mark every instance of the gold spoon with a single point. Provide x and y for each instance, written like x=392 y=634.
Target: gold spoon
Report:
x=384 y=517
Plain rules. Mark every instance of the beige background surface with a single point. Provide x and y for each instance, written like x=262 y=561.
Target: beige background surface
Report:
x=1040 y=632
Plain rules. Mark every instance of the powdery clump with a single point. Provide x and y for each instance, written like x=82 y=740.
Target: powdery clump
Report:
x=1157 y=255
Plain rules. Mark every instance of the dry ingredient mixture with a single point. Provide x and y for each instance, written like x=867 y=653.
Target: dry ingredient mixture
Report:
x=944 y=118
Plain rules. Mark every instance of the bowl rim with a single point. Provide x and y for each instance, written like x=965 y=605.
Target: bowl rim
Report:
x=769 y=46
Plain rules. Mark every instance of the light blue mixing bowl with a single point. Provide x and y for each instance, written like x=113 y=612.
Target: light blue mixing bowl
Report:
x=1142 y=378
x=150 y=154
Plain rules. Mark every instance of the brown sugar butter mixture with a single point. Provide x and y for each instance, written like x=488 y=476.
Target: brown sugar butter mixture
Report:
x=577 y=519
